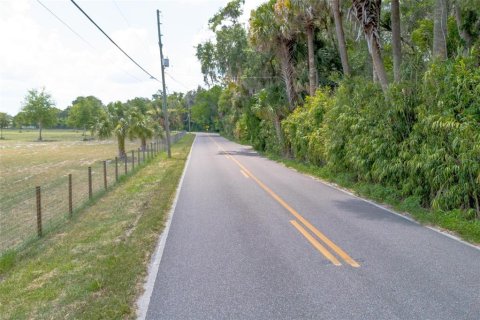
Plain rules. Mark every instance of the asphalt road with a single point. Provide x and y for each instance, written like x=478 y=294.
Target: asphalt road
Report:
x=251 y=239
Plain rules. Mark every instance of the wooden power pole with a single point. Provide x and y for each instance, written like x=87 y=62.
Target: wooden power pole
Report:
x=164 y=106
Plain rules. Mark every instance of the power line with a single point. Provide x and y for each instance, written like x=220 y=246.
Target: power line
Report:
x=121 y=13
x=106 y=35
x=79 y=36
x=176 y=81
x=128 y=23
x=65 y=24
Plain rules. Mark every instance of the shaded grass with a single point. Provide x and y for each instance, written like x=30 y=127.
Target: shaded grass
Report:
x=93 y=267
x=456 y=221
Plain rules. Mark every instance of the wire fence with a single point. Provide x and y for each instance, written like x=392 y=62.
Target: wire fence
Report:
x=28 y=215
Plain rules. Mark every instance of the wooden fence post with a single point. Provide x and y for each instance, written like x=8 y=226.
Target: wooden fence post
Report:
x=116 y=168
x=133 y=160
x=90 y=191
x=70 y=195
x=39 y=211
x=105 y=174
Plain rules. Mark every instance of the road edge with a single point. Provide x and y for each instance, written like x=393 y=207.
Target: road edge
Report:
x=143 y=302
x=378 y=205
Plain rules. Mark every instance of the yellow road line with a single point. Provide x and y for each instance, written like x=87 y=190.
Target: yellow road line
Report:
x=297 y=215
x=316 y=244
x=244 y=174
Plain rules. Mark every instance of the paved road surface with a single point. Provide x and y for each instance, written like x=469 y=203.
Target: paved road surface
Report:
x=251 y=239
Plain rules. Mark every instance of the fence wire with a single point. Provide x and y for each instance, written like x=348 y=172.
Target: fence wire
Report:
x=29 y=214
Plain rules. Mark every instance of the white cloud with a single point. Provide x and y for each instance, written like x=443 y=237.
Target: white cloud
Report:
x=41 y=52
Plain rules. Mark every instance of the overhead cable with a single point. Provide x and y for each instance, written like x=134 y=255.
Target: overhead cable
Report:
x=64 y=23
x=106 y=35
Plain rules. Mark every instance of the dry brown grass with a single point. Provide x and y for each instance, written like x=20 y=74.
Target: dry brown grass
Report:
x=26 y=163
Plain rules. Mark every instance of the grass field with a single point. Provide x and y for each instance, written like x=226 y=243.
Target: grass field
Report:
x=93 y=267
x=26 y=163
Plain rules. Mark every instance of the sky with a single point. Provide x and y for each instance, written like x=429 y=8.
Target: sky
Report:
x=38 y=51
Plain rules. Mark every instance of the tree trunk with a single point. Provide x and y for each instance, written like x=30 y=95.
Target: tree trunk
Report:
x=40 y=131
x=287 y=73
x=342 y=47
x=143 y=144
x=440 y=30
x=278 y=130
x=378 y=63
x=311 y=60
x=396 y=40
x=121 y=147
x=466 y=37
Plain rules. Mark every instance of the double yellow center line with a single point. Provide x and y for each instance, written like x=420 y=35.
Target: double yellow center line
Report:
x=316 y=244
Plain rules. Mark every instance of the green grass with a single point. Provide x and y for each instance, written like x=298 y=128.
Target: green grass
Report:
x=457 y=221
x=93 y=267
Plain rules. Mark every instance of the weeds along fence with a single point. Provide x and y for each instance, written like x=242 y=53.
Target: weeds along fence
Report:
x=27 y=215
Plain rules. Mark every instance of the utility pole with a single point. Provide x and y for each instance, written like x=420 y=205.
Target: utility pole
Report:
x=164 y=106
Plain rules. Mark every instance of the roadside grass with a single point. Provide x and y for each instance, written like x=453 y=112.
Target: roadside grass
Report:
x=94 y=266
x=457 y=222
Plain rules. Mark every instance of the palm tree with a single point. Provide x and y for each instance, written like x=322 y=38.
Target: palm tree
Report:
x=308 y=13
x=367 y=13
x=117 y=122
x=342 y=47
x=268 y=34
x=396 y=40
x=142 y=127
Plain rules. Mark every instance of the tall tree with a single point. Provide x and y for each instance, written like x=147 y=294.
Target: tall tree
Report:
x=440 y=30
x=342 y=46
x=268 y=35
x=85 y=112
x=367 y=13
x=396 y=40
x=222 y=59
x=308 y=13
x=38 y=108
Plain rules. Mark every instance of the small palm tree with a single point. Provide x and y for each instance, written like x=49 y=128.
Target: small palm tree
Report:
x=116 y=121
x=142 y=127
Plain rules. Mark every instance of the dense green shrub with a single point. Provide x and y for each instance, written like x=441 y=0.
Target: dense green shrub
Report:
x=443 y=152
x=364 y=131
x=422 y=140
x=303 y=128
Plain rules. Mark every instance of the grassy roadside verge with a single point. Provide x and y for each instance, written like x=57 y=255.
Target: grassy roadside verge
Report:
x=93 y=267
x=454 y=221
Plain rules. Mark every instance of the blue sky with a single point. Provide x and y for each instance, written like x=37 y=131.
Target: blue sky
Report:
x=39 y=51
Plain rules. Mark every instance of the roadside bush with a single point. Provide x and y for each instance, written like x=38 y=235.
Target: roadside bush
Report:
x=423 y=141
x=443 y=152
x=303 y=128
x=364 y=131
